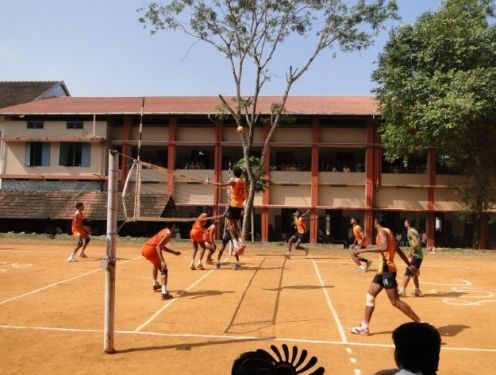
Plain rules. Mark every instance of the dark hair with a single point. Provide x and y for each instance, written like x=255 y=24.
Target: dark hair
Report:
x=79 y=205
x=253 y=362
x=170 y=224
x=237 y=171
x=411 y=221
x=417 y=347
x=383 y=220
x=357 y=220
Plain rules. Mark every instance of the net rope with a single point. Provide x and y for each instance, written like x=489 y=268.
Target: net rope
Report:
x=144 y=196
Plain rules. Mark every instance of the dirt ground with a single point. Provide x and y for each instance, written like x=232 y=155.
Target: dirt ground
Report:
x=51 y=311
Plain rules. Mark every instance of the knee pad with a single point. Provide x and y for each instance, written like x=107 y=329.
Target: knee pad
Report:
x=370 y=300
x=164 y=272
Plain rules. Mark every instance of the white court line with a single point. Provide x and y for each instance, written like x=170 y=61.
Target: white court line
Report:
x=329 y=303
x=55 y=253
x=60 y=282
x=164 y=307
x=50 y=253
x=240 y=338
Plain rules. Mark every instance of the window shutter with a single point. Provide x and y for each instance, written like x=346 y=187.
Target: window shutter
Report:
x=27 y=154
x=45 y=154
x=63 y=154
x=85 y=154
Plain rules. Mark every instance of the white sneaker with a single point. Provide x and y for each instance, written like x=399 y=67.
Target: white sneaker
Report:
x=360 y=269
x=71 y=259
x=418 y=293
x=401 y=292
x=361 y=330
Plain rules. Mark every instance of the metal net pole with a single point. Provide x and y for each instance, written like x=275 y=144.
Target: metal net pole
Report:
x=110 y=250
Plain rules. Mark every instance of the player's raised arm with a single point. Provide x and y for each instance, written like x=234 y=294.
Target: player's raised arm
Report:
x=219 y=184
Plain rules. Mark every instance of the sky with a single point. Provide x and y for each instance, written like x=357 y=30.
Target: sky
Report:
x=98 y=48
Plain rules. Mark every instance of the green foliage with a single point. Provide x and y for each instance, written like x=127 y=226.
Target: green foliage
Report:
x=436 y=85
x=256 y=28
x=437 y=89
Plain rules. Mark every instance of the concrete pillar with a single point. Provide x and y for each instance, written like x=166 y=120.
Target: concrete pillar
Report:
x=171 y=154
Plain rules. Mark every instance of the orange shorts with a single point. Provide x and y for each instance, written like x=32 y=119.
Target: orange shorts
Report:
x=150 y=253
x=80 y=232
x=196 y=235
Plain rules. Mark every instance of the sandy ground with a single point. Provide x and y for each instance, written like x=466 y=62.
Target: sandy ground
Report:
x=51 y=312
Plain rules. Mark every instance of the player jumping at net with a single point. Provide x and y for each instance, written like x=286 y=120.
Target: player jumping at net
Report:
x=236 y=203
x=299 y=223
x=361 y=242
x=153 y=251
x=196 y=236
x=415 y=255
x=226 y=239
x=80 y=232
x=209 y=240
x=386 y=277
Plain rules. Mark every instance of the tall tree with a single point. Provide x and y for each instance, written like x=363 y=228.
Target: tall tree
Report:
x=436 y=84
x=249 y=33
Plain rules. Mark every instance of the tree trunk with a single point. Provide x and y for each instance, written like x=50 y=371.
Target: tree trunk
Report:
x=476 y=220
x=248 y=210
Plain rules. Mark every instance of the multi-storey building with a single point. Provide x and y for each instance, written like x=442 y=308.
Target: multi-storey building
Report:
x=328 y=159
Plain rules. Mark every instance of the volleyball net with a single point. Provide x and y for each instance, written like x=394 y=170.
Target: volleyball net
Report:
x=145 y=195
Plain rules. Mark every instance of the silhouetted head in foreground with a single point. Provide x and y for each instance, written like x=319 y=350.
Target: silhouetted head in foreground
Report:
x=417 y=348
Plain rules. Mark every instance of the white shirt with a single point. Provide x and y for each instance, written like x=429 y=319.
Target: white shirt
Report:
x=406 y=372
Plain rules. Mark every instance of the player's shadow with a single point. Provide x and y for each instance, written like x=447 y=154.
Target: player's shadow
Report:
x=388 y=333
x=99 y=259
x=251 y=268
x=202 y=293
x=452 y=329
x=298 y=287
x=187 y=346
x=444 y=294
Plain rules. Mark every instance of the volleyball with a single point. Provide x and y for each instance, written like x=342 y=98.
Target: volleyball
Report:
x=240 y=129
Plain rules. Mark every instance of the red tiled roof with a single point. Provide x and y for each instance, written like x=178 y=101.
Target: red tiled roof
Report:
x=305 y=105
x=61 y=204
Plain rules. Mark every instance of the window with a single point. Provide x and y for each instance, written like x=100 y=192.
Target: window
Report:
x=37 y=154
x=74 y=124
x=74 y=154
x=35 y=125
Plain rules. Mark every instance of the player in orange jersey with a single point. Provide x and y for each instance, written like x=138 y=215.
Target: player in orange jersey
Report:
x=152 y=250
x=236 y=203
x=386 y=277
x=209 y=240
x=361 y=242
x=80 y=232
x=299 y=223
x=196 y=236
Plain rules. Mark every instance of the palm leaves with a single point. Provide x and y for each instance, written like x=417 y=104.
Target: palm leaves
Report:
x=284 y=362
